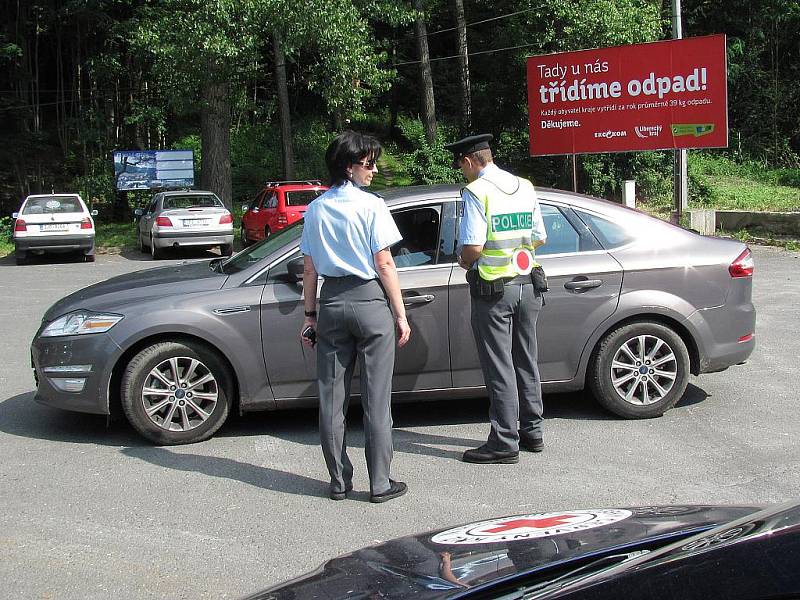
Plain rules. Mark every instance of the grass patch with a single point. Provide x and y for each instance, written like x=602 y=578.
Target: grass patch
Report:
x=720 y=183
x=391 y=173
x=765 y=238
x=120 y=236
x=739 y=193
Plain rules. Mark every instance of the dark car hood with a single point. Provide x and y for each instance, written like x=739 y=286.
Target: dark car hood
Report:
x=113 y=294
x=445 y=563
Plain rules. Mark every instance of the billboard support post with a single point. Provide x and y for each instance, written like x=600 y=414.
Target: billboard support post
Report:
x=574 y=173
x=680 y=171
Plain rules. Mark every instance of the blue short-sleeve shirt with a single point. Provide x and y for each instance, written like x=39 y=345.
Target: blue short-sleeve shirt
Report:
x=343 y=230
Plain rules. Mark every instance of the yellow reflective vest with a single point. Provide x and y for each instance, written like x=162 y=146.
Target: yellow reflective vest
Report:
x=509 y=219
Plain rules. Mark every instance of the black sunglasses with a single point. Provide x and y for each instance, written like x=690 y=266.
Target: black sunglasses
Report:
x=367 y=164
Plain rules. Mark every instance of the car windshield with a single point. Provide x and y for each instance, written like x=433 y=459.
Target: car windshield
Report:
x=192 y=201
x=301 y=198
x=52 y=204
x=264 y=248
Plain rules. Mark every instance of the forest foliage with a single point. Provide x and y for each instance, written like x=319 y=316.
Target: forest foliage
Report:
x=228 y=78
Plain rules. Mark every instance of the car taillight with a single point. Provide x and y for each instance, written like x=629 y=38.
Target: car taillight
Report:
x=282 y=220
x=20 y=225
x=163 y=222
x=225 y=219
x=743 y=265
x=86 y=223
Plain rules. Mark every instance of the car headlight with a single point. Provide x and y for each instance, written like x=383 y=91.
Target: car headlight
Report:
x=81 y=322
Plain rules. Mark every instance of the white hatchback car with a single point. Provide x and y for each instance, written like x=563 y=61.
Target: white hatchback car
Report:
x=54 y=223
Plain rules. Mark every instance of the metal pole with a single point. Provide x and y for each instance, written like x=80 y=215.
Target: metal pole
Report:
x=681 y=176
x=574 y=173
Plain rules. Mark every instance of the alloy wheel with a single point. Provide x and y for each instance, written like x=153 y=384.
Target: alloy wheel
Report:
x=180 y=394
x=644 y=370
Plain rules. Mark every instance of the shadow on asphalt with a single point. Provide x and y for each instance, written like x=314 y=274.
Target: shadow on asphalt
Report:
x=21 y=416
x=213 y=466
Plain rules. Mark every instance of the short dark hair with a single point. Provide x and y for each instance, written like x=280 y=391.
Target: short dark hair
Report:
x=349 y=147
x=482 y=157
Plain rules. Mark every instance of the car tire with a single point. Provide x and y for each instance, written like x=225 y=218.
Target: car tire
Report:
x=88 y=258
x=21 y=257
x=155 y=253
x=640 y=370
x=266 y=232
x=142 y=246
x=226 y=249
x=183 y=419
x=243 y=238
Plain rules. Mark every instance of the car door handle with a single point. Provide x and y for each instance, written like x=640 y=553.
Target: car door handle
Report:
x=422 y=299
x=583 y=284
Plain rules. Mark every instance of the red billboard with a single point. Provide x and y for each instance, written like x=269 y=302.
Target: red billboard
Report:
x=655 y=96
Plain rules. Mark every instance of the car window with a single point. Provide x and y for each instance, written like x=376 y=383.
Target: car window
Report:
x=420 y=230
x=561 y=235
x=192 y=201
x=52 y=205
x=272 y=201
x=253 y=254
x=279 y=272
x=610 y=234
x=301 y=197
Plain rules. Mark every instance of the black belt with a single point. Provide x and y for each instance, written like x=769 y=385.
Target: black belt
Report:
x=517 y=280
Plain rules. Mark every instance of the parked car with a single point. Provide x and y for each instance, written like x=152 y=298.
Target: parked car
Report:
x=665 y=552
x=188 y=218
x=278 y=205
x=635 y=306
x=54 y=223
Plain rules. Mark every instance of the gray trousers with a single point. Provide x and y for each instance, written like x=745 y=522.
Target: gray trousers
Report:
x=355 y=323
x=505 y=334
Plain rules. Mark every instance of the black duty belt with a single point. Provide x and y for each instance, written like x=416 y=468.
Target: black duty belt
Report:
x=518 y=280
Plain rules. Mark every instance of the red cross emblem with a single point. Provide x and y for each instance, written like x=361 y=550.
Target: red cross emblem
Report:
x=545 y=523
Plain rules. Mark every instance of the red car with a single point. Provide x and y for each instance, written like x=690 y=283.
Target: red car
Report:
x=276 y=206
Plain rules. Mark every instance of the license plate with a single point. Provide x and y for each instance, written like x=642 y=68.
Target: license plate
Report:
x=54 y=227
x=195 y=222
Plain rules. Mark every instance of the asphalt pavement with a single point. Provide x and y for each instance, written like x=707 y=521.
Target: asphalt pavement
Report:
x=91 y=510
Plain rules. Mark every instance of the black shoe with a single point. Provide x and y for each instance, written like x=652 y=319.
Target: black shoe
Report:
x=396 y=489
x=531 y=444
x=485 y=456
x=339 y=495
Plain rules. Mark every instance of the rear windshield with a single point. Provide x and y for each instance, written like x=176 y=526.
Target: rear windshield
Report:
x=52 y=204
x=301 y=198
x=192 y=202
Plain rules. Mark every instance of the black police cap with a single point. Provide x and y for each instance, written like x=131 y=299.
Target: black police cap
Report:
x=468 y=145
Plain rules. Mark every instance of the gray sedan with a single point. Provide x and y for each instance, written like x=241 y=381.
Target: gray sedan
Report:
x=635 y=305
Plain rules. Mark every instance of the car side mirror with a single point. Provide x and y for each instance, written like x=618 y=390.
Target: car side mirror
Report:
x=244 y=208
x=15 y=215
x=296 y=267
x=93 y=213
x=138 y=212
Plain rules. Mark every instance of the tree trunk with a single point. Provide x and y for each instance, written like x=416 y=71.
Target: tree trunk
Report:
x=463 y=67
x=426 y=80
x=283 y=108
x=215 y=134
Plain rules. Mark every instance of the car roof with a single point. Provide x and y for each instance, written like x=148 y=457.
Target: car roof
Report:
x=66 y=195
x=402 y=195
x=294 y=187
x=187 y=193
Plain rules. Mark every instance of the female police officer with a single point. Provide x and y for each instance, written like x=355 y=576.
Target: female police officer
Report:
x=346 y=240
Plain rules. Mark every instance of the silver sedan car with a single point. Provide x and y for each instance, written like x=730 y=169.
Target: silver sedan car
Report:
x=189 y=218
x=635 y=305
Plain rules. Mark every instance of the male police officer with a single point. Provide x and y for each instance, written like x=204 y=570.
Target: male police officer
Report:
x=501 y=227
